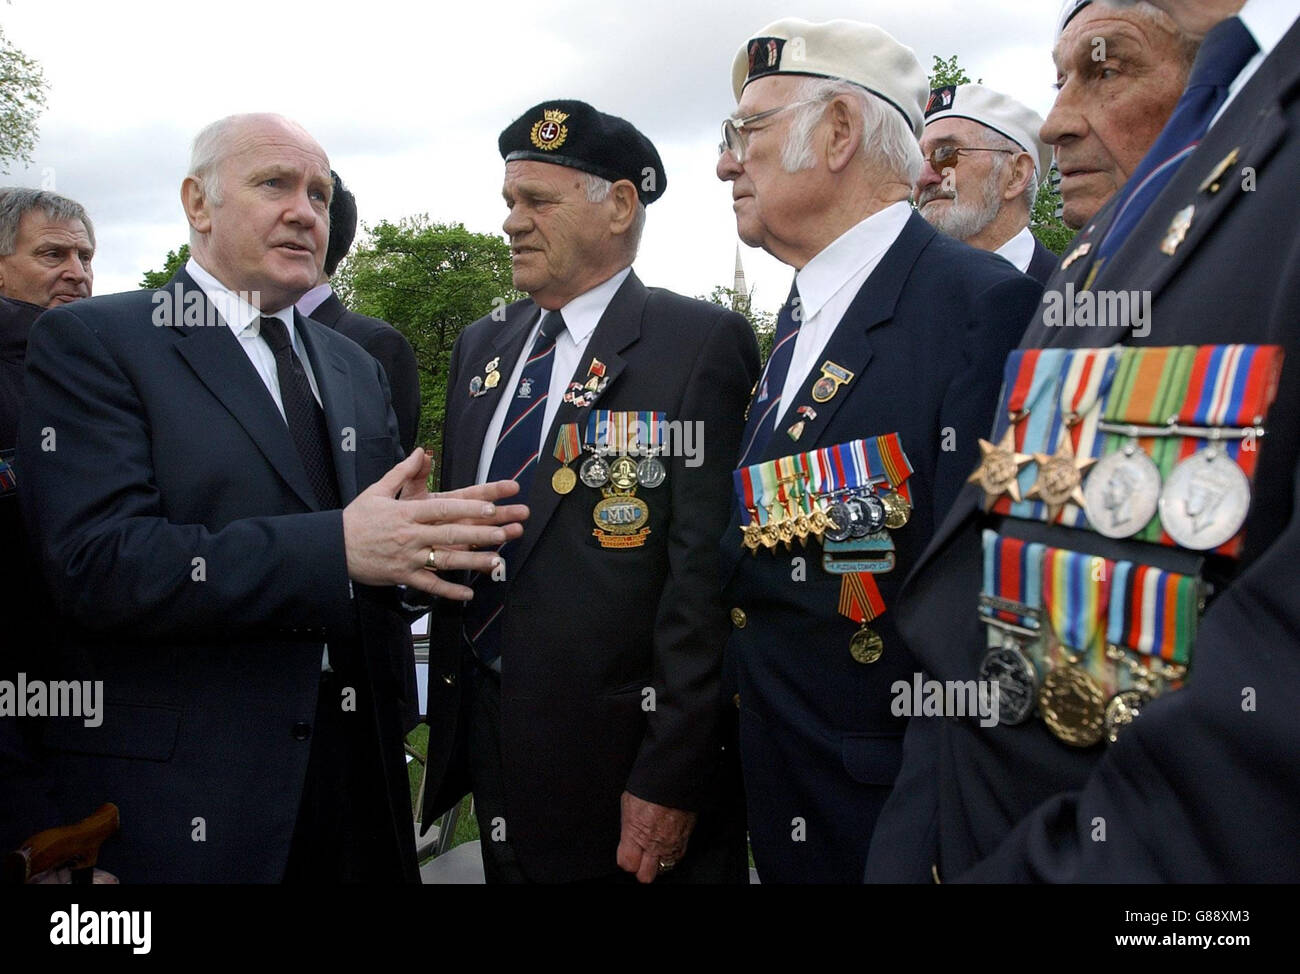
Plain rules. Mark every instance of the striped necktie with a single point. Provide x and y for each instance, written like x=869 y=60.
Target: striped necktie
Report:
x=515 y=457
x=1225 y=51
x=765 y=409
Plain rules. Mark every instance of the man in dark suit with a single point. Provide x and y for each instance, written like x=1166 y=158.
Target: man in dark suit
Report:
x=391 y=349
x=1202 y=785
x=218 y=497
x=983 y=165
x=892 y=327
x=379 y=338
x=47 y=243
x=589 y=677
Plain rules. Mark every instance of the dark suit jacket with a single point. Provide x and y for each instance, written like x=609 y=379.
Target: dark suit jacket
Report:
x=25 y=610
x=390 y=347
x=199 y=580
x=1042 y=263
x=1201 y=787
x=394 y=353
x=585 y=629
x=924 y=338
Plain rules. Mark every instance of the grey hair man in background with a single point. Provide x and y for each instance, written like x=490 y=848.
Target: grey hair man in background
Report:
x=984 y=162
x=47 y=243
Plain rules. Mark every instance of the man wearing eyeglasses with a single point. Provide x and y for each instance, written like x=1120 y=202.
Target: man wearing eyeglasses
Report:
x=891 y=327
x=984 y=162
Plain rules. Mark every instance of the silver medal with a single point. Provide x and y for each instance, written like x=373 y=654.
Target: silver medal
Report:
x=1205 y=501
x=1017 y=682
x=841 y=521
x=1122 y=492
x=594 y=471
x=650 y=472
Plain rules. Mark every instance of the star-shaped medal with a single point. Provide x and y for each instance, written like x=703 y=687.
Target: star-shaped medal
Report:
x=1060 y=478
x=999 y=467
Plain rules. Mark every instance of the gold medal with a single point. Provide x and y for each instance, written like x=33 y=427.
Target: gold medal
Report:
x=1060 y=478
x=866 y=646
x=622 y=473
x=1122 y=710
x=999 y=467
x=1073 y=706
x=897 y=510
x=564 y=480
x=493 y=379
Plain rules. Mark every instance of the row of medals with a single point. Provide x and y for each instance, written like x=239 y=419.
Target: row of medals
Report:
x=1071 y=703
x=601 y=468
x=1123 y=491
x=837 y=516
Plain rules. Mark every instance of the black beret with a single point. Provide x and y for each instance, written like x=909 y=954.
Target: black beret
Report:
x=572 y=133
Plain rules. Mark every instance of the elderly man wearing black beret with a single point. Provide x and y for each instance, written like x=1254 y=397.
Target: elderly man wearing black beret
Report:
x=578 y=694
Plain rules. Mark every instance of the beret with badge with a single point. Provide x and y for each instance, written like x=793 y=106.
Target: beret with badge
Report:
x=567 y=132
x=994 y=110
x=842 y=50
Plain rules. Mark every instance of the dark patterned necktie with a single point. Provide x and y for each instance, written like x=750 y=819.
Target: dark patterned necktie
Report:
x=303 y=413
x=763 y=409
x=515 y=457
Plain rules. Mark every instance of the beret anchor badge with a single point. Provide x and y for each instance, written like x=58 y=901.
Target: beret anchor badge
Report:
x=549 y=132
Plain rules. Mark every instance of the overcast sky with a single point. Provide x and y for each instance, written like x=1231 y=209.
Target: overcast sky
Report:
x=407 y=99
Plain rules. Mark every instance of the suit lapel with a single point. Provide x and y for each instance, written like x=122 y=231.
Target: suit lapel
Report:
x=618 y=328
x=329 y=311
x=849 y=346
x=338 y=401
x=507 y=345
x=213 y=353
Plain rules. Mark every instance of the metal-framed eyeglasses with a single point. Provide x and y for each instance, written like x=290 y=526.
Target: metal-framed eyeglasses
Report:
x=943 y=157
x=733 y=129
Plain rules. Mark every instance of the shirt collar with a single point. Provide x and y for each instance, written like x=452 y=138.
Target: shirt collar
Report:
x=314 y=298
x=823 y=276
x=583 y=313
x=234 y=307
x=1267 y=21
x=1019 y=250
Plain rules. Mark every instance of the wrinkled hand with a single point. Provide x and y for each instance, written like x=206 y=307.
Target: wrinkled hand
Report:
x=389 y=529
x=650 y=833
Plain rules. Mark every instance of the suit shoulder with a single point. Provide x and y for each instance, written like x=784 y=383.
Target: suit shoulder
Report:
x=693 y=318
x=975 y=270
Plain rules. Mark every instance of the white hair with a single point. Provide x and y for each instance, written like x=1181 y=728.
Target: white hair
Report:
x=212 y=145
x=887 y=138
x=1001 y=160
x=597 y=189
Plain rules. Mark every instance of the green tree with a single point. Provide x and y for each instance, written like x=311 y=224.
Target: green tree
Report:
x=948 y=72
x=429 y=280
x=174 y=261
x=22 y=96
x=1043 y=221
x=763 y=322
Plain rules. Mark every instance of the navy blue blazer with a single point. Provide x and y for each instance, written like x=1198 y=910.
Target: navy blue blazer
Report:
x=925 y=338
x=195 y=574
x=1201 y=787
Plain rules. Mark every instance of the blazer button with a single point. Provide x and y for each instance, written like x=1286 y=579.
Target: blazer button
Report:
x=449 y=679
x=738 y=618
x=301 y=730
x=736 y=700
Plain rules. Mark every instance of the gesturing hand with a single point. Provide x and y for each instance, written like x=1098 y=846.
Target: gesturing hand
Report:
x=390 y=528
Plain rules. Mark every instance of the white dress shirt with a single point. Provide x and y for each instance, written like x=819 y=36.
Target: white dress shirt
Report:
x=313 y=299
x=242 y=319
x=1267 y=21
x=581 y=316
x=828 y=284
x=1019 y=250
